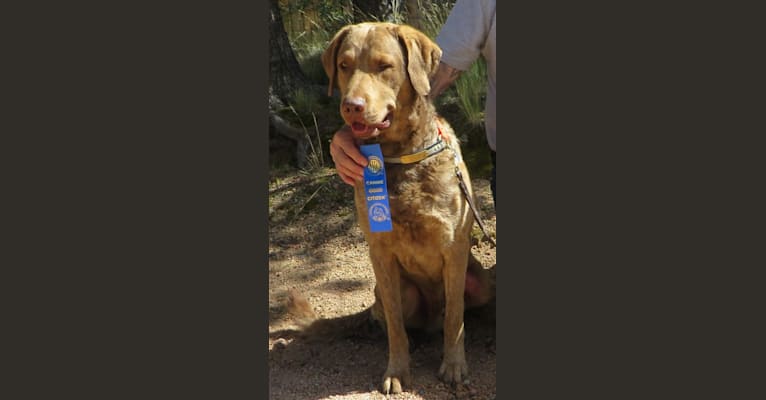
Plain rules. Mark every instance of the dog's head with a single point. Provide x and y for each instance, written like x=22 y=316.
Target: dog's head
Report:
x=380 y=68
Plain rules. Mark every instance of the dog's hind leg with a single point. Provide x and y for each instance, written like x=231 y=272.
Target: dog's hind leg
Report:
x=412 y=302
x=479 y=287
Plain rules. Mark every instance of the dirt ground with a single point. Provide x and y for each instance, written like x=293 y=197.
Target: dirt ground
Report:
x=317 y=249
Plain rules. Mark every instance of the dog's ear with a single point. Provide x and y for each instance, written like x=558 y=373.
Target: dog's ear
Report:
x=330 y=56
x=423 y=56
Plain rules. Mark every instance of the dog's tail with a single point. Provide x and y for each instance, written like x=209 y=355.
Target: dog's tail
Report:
x=312 y=328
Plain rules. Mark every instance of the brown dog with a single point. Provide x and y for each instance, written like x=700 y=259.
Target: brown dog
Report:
x=422 y=273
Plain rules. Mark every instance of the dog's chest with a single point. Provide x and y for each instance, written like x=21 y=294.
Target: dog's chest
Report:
x=425 y=206
x=430 y=187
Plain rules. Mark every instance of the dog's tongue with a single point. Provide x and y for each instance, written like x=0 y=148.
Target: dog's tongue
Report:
x=362 y=130
x=358 y=127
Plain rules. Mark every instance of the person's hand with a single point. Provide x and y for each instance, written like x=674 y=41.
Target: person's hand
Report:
x=349 y=162
x=442 y=79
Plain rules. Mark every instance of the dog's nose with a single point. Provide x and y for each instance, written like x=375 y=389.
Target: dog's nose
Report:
x=353 y=105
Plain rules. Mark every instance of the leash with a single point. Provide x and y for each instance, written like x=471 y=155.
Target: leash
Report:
x=476 y=215
x=433 y=149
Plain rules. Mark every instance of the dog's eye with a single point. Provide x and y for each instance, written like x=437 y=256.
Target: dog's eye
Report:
x=343 y=65
x=383 y=67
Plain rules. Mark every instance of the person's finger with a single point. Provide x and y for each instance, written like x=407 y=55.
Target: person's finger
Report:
x=349 y=175
x=354 y=153
x=345 y=142
x=346 y=179
x=343 y=162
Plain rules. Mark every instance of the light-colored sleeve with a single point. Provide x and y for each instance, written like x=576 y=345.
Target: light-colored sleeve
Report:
x=464 y=33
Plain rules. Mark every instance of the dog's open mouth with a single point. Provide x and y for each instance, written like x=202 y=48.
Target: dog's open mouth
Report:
x=362 y=130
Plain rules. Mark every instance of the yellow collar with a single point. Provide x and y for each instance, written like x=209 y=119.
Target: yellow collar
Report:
x=435 y=148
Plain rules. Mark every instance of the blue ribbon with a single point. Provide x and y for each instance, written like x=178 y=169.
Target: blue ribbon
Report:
x=375 y=189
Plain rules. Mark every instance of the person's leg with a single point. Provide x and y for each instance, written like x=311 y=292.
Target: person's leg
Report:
x=492 y=179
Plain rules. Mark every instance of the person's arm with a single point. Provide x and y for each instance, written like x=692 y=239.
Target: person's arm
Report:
x=444 y=77
x=349 y=161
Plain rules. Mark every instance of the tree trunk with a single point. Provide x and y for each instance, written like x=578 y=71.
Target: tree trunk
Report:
x=285 y=72
x=285 y=76
x=376 y=10
x=415 y=12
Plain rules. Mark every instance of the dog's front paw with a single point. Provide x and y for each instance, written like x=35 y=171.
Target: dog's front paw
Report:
x=393 y=381
x=453 y=371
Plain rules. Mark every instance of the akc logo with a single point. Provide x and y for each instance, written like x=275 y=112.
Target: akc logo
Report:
x=378 y=212
x=374 y=165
